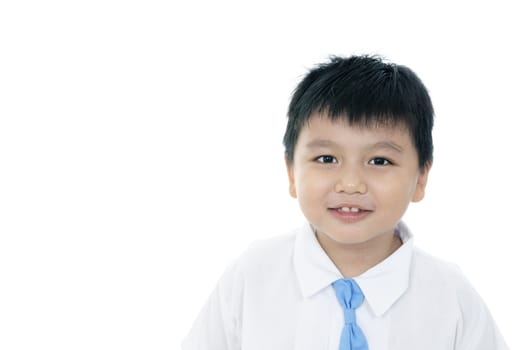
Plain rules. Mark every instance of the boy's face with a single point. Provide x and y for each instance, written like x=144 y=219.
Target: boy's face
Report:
x=354 y=183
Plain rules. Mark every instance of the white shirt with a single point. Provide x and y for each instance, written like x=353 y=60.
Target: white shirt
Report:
x=278 y=296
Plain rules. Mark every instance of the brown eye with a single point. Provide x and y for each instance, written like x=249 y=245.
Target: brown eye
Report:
x=326 y=159
x=379 y=161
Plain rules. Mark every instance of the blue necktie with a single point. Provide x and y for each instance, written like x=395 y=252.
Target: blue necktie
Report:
x=350 y=297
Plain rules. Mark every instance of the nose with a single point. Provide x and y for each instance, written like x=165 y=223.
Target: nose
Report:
x=351 y=182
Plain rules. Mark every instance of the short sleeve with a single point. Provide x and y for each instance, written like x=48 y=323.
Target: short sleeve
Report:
x=476 y=329
x=217 y=325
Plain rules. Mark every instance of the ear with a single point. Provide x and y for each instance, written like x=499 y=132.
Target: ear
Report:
x=291 y=177
x=422 y=179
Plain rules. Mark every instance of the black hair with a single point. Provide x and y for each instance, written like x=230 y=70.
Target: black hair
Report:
x=367 y=91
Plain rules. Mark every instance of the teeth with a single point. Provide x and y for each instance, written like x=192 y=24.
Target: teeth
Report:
x=347 y=210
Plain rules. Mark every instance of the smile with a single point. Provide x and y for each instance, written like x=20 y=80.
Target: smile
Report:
x=349 y=214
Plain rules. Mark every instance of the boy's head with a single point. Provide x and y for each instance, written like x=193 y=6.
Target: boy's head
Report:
x=358 y=147
x=365 y=91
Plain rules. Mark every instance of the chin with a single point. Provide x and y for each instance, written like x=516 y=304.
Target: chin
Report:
x=349 y=237
x=353 y=240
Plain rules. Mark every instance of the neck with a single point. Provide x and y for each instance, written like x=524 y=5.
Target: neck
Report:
x=353 y=259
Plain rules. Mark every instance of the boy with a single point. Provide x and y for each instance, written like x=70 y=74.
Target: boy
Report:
x=358 y=150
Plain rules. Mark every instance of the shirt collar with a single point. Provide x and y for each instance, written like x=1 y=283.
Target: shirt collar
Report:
x=382 y=284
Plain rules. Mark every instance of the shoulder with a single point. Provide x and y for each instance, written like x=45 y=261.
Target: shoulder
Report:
x=257 y=264
x=438 y=273
x=267 y=253
x=261 y=258
x=264 y=265
x=456 y=296
x=258 y=273
x=430 y=267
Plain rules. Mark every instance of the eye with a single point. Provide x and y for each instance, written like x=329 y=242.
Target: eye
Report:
x=326 y=159
x=379 y=161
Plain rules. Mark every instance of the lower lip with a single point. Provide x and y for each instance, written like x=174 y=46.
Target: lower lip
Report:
x=349 y=216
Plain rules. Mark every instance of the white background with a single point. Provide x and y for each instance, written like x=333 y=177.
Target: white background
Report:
x=140 y=152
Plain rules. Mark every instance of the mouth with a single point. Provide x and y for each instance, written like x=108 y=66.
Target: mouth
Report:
x=349 y=209
x=349 y=213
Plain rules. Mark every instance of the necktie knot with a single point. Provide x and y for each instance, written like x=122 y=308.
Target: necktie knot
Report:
x=348 y=293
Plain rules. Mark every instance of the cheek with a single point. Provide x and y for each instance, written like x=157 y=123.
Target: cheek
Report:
x=311 y=189
x=395 y=192
x=312 y=182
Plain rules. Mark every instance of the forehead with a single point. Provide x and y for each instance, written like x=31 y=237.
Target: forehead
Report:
x=339 y=130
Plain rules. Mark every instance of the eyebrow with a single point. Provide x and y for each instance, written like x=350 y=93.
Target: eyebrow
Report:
x=388 y=145
x=318 y=143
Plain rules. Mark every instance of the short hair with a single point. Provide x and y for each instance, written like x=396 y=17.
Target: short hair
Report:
x=366 y=91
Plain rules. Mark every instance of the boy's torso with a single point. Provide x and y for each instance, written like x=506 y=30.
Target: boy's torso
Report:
x=278 y=295
x=277 y=316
